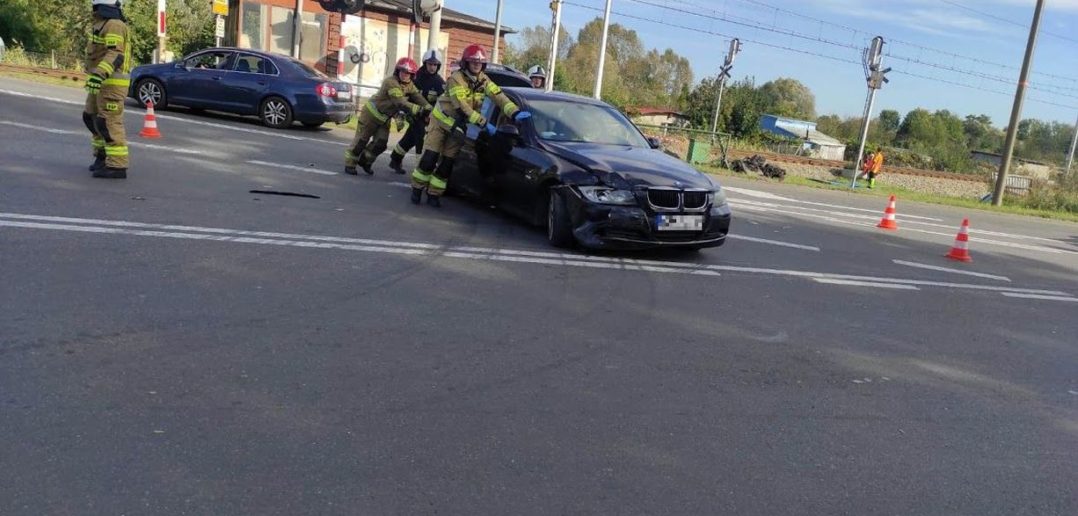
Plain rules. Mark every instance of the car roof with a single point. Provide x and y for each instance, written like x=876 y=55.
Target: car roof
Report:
x=560 y=96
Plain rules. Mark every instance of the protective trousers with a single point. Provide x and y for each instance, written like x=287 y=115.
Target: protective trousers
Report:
x=413 y=137
x=439 y=143
x=104 y=117
x=371 y=139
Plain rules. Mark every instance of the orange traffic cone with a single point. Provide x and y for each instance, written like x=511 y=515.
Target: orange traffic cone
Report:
x=960 y=250
x=149 y=127
x=888 y=220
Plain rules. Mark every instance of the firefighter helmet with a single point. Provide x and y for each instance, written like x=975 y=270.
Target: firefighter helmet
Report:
x=406 y=64
x=473 y=54
x=432 y=55
x=536 y=71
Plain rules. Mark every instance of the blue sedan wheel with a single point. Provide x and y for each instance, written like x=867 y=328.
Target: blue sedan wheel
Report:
x=151 y=91
x=276 y=113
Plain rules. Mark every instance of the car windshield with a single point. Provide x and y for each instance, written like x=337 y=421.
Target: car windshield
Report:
x=308 y=71
x=558 y=120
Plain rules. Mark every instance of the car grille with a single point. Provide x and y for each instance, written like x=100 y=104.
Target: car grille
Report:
x=669 y=199
x=664 y=199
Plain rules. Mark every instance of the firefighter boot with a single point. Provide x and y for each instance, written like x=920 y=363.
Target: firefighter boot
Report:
x=111 y=173
x=99 y=161
x=417 y=195
x=365 y=161
x=395 y=162
x=350 y=170
x=434 y=200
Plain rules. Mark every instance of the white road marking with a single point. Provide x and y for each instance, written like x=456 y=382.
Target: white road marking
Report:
x=897 y=286
x=39 y=128
x=767 y=195
x=131 y=143
x=291 y=167
x=1036 y=296
x=948 y=269
x=162 y=116
x=773 y=242
x=480 y=253
x=399 y=184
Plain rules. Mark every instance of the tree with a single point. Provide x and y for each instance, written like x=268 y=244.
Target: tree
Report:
x=890 y=120
x=789 y=97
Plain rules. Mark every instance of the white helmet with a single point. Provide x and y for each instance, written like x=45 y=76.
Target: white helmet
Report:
x=106 y=2
x=432 y=55
x=536 y=71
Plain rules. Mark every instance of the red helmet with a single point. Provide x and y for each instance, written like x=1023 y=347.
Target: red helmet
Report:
x=406 y=64
x=473 y=54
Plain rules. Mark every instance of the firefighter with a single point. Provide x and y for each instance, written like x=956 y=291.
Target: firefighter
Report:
x=431 y=85
x=538 y=76
x=398 y=92
x=108 y=62
x=457 y=107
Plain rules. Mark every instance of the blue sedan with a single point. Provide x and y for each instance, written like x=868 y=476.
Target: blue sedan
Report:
x=278 y=89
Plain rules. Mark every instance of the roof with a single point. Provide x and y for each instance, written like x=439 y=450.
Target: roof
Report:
x=1016 y=158
x=561 y=96
x=405 y=6
x=655 y=111
x=801 y=129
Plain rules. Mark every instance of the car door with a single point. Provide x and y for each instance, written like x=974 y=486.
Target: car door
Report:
x=516 y=169
x=199 y=82
x=468 y=176
x=251 y=77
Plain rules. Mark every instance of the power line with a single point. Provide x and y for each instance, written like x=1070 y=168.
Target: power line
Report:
x=867 y=35
x=810 y=53
x=976 y=74
x=1007 y=21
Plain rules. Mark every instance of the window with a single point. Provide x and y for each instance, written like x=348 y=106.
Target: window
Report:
x=312 y=42
x=580 y=122
x=252 y=27
x=280 y=41
x=219 y=60
x=247 y=63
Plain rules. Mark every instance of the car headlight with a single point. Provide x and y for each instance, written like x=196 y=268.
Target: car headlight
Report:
x=605 y=195
x=718 y=197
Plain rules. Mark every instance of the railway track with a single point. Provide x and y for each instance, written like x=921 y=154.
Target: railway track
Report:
x=68 y=75
x=802 y=160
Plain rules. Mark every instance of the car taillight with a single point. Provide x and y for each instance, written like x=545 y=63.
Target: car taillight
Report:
x=326 y=90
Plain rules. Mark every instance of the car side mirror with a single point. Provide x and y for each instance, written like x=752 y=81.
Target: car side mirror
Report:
x=654 y=142
x=510 y=132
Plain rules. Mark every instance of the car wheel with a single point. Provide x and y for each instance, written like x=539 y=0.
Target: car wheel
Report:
x=151 y=91
x=312 y=125
x=276 y=113
x=559 y=231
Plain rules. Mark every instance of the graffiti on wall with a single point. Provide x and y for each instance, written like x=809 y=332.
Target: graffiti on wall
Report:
x=371 y=47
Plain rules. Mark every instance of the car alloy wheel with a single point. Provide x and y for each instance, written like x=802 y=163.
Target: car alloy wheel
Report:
x=275 y=112
x=149 y=91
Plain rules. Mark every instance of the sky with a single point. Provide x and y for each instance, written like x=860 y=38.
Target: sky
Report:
x=961 y=55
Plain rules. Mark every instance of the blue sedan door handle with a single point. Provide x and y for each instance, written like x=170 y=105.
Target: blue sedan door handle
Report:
x=216 y=78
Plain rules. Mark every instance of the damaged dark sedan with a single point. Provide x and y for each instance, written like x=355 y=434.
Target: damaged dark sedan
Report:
x=582 y=169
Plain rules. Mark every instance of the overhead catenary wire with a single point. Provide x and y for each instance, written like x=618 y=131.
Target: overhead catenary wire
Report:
x=811 y=53
x=1007 y=21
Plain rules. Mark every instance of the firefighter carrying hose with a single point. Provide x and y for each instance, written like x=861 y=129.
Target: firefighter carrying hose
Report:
x=398 y=92
x=457 y=107
x=108 y=62
x=431 y=85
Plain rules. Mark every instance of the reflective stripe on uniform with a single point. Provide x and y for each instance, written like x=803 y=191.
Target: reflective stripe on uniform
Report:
x=106 y=67
x=117 y=82
x=396 y=93
x=493 y=89
x=510 y=108
x=97 y=143
x=375 y=113
x=116 y=150
x=113 y=40
x=459 y=91
x=440 y=116
x=437 y=183
x=398 y=150
x=474 y=117
x=421 y=177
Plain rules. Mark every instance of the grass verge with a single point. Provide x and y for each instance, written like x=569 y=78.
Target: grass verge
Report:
x=42 y=79
x=907 y=195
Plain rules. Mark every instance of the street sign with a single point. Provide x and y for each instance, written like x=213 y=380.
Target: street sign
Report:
x=160 y=18
x=725 y=71
x=220 y=7
x=219 y=31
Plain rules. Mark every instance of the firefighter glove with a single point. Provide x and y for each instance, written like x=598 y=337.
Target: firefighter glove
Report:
x=93 y=84
x=522 y=115
x=491 y=129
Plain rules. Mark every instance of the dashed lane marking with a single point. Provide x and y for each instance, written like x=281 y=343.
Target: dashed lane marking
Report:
x=1037 y=296
x=292 y=167
x=948 y=269
x=28 y=221
x=136 y=144
x=852 y=283
x=773 y=242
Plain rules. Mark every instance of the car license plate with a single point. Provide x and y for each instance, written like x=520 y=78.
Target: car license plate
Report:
x=344 y=95
x=679 y=222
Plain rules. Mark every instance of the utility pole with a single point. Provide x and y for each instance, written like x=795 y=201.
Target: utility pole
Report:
x=875 y=77
x=297 y=28
x=724 y=73
x=602 y=52
x=161 y=33
x=1016 y=110
x=1070 y=153
x=433 y=36
x=497 y=32
x=555 y=5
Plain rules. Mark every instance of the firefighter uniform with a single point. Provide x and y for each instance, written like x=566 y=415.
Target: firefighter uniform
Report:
x=109 y=63
x=431 y=86
x=458 y=106
x=374 y=119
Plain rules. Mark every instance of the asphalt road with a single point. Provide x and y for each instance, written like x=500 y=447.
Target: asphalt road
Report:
x=175 y=344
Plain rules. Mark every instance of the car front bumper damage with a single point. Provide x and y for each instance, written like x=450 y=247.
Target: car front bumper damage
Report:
x=601 y=226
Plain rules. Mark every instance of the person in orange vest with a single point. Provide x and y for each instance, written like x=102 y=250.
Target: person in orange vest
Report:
x=877 y=166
